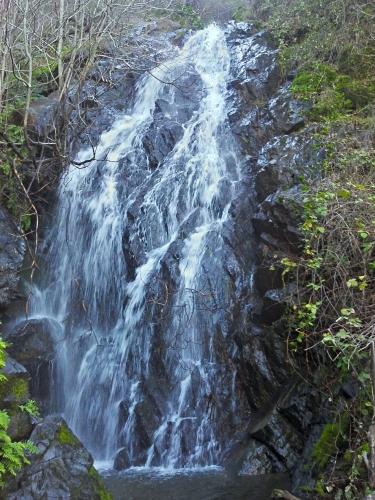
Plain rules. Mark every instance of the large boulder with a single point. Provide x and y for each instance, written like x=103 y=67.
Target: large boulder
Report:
x=12 y=249
x=63 y=468
x=30 y=342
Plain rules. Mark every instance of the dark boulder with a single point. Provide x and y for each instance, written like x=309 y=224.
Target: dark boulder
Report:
x=40 y=116
x=31 y=343
x=122 y=460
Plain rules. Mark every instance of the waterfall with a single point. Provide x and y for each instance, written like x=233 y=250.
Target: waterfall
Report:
x=134 y=274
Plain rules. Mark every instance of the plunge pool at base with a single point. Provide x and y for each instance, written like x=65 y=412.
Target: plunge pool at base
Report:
x=209 y=483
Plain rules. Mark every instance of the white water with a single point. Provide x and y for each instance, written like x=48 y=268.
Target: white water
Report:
x=106 y=346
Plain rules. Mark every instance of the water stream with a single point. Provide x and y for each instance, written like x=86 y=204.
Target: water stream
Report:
x=134 y=261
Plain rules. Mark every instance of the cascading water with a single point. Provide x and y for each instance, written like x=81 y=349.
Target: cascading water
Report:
x=135 y=264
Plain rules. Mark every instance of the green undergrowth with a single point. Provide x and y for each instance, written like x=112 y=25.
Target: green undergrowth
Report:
x=330 y=317
x=13 y=454
x=188 y=17
x=329 y=320
x=332 y=440
x=330 y=45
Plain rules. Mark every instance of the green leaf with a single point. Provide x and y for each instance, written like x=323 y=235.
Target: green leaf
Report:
x=367 y=246
x=347 y=312
x=363 y=234
x=343 y=193
x=352 y=283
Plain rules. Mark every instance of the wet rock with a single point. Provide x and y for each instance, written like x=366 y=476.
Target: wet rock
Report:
x=257 y=461
x=283 y=440
x=278 y=216
x=148 y=411
x=254 y=64
x=139 y=418
x=31 y=344
x=161 y=26
x=288 y=114
x=20 y=426
x=273 y=304
x=122 y=460
x=160 y=140
x=63 y=468
x=262 y=366
x=40 y=116
x=12 y=250
x=283 y=163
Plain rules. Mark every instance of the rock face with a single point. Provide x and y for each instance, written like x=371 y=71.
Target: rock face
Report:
x=12 y=250
x=238 y=298
x=276 y=157
x=63 y=468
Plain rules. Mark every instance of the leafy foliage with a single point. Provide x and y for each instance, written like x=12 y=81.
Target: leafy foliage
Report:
x=331 y=45
x=13 y=455
x=188 y=17
x=330 y=319
x=328 y=47
x=31 y=408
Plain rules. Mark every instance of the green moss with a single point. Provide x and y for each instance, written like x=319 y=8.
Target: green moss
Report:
x=320 y=491
x=99 y=487
x=93 y=472
x=312 y=80
x=333 y=94
x=347 y=458
x=19 y=388
x=331 y=440
x=306 y=489
x=66 y=437
x=14 y=390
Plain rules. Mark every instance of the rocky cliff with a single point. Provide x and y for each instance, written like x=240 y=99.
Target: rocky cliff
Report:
x=267 y=428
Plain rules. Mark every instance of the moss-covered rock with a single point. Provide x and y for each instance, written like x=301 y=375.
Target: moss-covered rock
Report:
x=14 y=391
x=63 y=469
